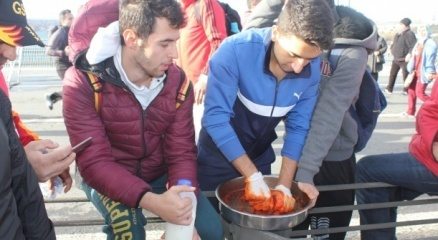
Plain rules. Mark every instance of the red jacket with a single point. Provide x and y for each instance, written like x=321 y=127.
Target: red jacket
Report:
x=202 y=35
x=427 y=129
x=131 y=146
x=25 y=134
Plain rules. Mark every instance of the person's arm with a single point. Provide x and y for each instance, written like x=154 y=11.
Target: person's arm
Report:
x=48 y=159
x=96 y=163
x=27 y=199
x=169 y=205
x=53 y=46
x=429 y=54
x=25 y=134
x=410 y=41
x=213 y=22
x=219 y=102
x=297 y=124
x=336 y=96
x=435 y=150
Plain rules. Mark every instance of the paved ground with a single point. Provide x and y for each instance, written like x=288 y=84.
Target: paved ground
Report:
x=392 y=135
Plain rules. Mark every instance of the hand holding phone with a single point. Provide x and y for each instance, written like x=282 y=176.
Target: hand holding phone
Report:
x=82 y=145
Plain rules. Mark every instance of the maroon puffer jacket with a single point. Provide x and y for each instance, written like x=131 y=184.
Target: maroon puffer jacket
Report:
x=130 y=146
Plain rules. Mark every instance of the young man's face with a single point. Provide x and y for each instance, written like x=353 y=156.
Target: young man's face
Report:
x=292 y=53
x=67 y=20
x=156 y=53
x=7 y=52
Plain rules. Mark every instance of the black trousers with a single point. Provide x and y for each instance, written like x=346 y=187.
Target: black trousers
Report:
x=331 y=173
x=395 y=68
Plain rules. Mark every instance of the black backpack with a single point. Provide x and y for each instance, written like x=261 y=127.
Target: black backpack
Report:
x=369 y=105
x=232 y=18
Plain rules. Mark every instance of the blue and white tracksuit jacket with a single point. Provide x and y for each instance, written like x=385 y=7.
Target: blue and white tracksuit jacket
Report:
x=245 y=102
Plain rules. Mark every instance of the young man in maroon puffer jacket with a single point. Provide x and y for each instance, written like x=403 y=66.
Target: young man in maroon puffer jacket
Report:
x=141 y=140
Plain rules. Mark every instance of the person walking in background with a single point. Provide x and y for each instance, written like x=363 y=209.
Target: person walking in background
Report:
x=402 y=45
x=57 y=47
x=422 y=65
x=142 y=130
x=200 y=38
x=377 y=58
x=258 y=78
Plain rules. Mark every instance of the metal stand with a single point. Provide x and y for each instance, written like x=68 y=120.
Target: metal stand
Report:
x=236 y=232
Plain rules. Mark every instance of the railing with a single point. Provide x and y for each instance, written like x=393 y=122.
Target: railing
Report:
x=235 y=232
x=31 y=58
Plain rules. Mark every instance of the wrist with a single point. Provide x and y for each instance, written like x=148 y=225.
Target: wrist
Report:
x=255 y=177
x=283 y=189
x=148 y=201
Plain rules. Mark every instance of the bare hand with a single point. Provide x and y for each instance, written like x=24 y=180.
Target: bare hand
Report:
x=408 y=57
x=66 y=180
x=435 y=150
x=48 y=159
x=169 y=205
x=200 y=88
x=310 y=190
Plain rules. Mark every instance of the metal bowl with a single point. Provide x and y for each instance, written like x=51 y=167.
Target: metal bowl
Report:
x=235 y=210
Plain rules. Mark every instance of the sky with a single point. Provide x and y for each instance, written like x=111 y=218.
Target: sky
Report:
x=381 y=11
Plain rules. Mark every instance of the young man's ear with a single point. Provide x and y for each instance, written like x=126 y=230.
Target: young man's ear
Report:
x=130 y=38
x=274 y=33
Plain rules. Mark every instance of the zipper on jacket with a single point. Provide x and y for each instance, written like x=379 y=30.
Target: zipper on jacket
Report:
x=263 y=132
x=126 y=89
x=143 y=116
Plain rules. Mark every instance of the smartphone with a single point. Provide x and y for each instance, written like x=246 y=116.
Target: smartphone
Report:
x=82 y=145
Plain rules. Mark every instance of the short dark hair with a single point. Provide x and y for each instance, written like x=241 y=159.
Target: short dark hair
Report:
x=63 y=13
x=406 y=21
x=352 y=24
x=140 y=15
x=310 y=20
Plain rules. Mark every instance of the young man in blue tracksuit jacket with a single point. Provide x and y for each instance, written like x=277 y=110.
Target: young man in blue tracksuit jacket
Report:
x=256 y=79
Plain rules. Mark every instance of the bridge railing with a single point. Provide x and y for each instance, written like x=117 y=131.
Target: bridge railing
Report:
x=235 y=232
x=29 y=58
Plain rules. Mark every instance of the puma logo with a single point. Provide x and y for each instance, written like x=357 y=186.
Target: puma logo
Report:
x=298 y=95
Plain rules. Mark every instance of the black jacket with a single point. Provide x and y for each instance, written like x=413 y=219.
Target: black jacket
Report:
x=22 y=211
x=403 y=44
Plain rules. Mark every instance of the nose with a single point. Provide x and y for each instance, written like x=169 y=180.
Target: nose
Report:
x=11 y=53
x=7 y=52
x=298 y=64
x=173 y=51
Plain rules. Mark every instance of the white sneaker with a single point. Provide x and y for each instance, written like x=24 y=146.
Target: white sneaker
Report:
x=388 y=92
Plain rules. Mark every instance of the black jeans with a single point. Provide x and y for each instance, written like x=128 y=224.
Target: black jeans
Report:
x=331 y=173
x=395 y=68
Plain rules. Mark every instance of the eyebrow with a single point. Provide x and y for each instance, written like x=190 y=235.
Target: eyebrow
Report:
x=167 y=40
x=292 y=54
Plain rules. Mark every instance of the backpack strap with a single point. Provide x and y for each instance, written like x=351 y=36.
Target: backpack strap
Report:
x=97 y=89
x=183 y=90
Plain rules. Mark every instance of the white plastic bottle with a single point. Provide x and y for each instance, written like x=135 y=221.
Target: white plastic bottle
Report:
x=182 y=232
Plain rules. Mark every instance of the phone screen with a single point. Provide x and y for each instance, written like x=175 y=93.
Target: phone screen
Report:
x=82 y=145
